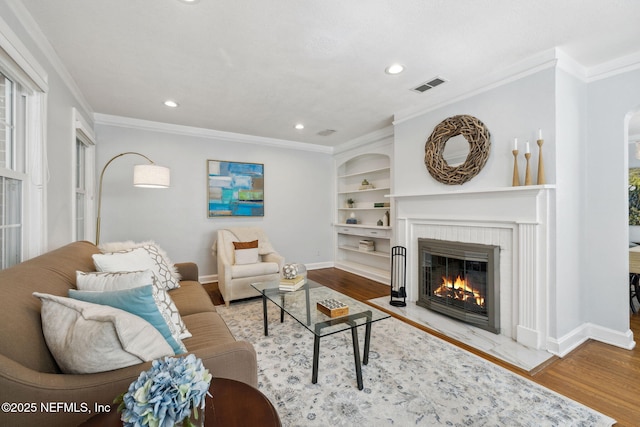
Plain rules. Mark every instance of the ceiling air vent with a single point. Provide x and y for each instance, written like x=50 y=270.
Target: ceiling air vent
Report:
x=423 y=87
x=326 y=132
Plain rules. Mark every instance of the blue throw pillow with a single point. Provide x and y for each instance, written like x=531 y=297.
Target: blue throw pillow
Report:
x=138 y=301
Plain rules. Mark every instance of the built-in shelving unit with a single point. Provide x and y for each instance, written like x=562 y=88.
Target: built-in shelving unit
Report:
x=371 y=212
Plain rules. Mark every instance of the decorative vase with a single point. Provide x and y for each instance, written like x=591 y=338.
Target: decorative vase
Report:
x=192 y=421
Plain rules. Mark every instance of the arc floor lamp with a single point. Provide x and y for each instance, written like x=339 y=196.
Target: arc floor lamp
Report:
x=148 y=176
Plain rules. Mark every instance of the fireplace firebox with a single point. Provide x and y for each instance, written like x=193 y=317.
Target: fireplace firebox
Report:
x=461 y=280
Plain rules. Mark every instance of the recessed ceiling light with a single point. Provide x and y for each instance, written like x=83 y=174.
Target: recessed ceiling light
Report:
x=394 y=69
x=170 y=103
x=299 y=126
x=189 y=1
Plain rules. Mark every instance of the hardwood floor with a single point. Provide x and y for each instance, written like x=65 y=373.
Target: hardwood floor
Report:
x=601 y=376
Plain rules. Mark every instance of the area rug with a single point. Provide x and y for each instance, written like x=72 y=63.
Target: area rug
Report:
x=412 y=379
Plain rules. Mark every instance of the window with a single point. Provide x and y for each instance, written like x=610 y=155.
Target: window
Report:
x=84 y=171
x=81 y=195
x=23 y=161
x=12 y=170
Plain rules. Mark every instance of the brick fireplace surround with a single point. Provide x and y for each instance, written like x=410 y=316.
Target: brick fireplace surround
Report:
x=517 y=219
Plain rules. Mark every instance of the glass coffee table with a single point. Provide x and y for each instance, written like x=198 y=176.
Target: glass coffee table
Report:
x=302 y=305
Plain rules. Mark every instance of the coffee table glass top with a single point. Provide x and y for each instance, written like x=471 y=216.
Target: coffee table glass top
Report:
x=302 y=306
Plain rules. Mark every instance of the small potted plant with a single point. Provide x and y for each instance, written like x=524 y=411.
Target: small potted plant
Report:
x=350 y=202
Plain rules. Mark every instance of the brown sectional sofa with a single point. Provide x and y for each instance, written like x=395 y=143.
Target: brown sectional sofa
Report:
x=29 y=375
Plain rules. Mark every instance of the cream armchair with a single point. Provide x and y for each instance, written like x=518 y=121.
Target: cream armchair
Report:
x=235 y=279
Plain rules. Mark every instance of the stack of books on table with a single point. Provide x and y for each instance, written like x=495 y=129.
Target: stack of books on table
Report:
x=290 y=285
x=367 y=245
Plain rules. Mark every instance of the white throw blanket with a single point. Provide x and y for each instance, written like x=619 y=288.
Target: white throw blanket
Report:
x=248 y=234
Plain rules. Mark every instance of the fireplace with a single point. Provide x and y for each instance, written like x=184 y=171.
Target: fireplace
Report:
x=460 y=280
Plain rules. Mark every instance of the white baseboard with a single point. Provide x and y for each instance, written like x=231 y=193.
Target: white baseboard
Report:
x=609 y=336
x=319 y=265
x=208 y=278
x=569 y=342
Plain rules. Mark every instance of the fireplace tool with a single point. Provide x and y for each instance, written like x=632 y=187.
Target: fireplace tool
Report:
x=398 y=276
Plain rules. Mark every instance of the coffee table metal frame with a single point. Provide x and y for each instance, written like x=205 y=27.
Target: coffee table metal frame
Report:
x=301 y=306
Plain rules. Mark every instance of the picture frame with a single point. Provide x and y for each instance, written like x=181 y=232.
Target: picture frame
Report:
x=235 y=189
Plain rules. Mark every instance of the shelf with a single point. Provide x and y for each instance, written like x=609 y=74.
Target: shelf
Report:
x=368 y=172
x=355 y=249
x=519 y=189
x=377 y=227
x=364 y=209
x=351 y=173
x=364 y=191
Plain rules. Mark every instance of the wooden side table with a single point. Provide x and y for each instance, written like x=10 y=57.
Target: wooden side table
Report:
x=234 y=404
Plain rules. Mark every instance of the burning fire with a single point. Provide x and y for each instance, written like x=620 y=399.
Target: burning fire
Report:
x=459 y=290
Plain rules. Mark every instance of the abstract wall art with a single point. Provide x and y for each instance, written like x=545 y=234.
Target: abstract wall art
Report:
x=235 y=188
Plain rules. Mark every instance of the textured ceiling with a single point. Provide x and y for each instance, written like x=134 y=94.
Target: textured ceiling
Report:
x=258 y=67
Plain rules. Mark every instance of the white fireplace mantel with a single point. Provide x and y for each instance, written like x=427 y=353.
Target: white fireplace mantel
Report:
x=518 y=219
x=519 y=189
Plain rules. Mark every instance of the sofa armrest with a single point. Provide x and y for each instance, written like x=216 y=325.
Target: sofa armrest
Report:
x=236 y=361
x=188 y=271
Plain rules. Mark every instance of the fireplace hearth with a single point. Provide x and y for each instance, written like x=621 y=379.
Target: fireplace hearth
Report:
x=460 y=280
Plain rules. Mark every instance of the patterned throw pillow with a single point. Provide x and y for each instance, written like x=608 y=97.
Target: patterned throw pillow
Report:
x=114 y=281
x=85 y=338
x=130 y=244
x=142 y=258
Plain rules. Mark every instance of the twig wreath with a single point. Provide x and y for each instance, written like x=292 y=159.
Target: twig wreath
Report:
x=475 y=132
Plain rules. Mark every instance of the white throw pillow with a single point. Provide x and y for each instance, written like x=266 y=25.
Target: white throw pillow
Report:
x=130 y=244
x=143 y=258
x=247 y=256
x=115 y=281
x=86 y=338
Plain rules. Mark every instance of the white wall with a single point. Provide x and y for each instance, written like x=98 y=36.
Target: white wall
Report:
x=606 y=203
x=298 y=197
x=517 y=109
x=566 y=298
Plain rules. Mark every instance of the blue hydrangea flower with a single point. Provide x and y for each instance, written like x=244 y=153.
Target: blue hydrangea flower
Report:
x=167 y=393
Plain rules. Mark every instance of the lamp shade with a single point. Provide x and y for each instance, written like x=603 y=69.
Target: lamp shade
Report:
x=151 y=176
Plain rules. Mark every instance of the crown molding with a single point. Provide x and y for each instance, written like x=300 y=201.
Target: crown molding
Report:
x=370 y=138
x=23 y=62
x=41 y=41
x=147 y=125
x=550 y=58
x=528 y=66
x=617 y=66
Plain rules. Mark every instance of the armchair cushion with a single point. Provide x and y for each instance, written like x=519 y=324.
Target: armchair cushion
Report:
x=245 y=245
x=256 y=269
x=246 y=256
x=246 y=252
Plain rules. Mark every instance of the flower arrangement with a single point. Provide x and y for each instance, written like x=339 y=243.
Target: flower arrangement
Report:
x=166 y=394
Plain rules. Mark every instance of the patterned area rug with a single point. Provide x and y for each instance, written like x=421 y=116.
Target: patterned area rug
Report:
x=412 y=378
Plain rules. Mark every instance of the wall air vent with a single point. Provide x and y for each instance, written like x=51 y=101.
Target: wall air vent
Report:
x=423 y=87
x=326 y=132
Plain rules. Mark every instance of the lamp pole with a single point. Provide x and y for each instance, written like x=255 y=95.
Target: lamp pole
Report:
x=100 y=187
